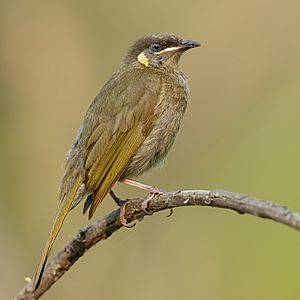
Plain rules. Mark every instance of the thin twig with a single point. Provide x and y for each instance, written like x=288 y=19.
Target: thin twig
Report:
x=105 y=227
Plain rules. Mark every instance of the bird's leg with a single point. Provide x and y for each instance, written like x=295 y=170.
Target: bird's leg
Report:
x=145 y=187
x=152 y=190
x=118 y=200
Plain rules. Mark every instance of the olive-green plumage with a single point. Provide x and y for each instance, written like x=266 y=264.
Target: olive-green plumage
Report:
x=128 y=129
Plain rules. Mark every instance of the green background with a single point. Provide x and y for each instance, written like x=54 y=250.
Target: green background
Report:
x=240 y=133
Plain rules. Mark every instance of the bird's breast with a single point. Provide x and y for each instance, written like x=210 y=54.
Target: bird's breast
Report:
x=170 y=108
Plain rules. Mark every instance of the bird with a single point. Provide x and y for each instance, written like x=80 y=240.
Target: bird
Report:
x=128 y=129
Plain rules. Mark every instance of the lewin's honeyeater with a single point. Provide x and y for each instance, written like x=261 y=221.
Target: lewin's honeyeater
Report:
x=128 y=129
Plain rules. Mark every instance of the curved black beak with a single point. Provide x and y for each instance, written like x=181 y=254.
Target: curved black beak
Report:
x=188 y=44
x=185 y=45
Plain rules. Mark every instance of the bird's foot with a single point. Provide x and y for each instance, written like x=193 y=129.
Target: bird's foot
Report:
x=122 y=217
x=122 y=204
x=153 y=193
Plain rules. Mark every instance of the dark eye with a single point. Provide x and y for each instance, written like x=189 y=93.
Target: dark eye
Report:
x=155 y=47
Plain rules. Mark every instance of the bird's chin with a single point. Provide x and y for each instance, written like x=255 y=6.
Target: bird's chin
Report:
x=173 y=59
x=155 y=61
x=167 y=60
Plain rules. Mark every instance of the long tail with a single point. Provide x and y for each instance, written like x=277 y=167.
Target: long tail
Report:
x=63 y=209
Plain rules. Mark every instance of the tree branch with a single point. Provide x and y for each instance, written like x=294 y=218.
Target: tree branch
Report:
x=102 y=229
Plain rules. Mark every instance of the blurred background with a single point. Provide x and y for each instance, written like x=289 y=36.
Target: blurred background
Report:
x=240 y=133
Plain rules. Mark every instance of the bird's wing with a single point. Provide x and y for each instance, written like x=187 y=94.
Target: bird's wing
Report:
x=113 y=147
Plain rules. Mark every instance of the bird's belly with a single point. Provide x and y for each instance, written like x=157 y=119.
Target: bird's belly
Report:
x=158 y=143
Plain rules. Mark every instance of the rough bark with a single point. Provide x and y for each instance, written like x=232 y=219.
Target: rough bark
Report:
x=135 y=210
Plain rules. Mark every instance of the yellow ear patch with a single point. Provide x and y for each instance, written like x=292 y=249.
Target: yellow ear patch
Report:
x=143 y=59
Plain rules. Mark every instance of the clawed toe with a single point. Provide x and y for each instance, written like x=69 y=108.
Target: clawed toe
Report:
x=155 y=191
x=144 y=206
x=170 y=213
x=123 y=219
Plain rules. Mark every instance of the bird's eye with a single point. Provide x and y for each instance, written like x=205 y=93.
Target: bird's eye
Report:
x=156 y=47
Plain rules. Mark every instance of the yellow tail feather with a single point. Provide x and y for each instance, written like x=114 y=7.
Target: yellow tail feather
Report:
x=63 y=209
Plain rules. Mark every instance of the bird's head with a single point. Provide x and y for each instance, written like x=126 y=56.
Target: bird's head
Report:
x=159 y=51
